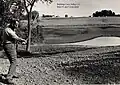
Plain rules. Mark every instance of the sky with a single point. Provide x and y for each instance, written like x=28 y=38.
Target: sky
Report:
x=76 y=8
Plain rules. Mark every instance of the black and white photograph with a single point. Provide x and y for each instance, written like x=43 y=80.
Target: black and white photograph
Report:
x=59 y=42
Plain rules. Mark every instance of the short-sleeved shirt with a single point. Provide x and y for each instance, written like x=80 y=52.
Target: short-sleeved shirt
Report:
x=9 y=36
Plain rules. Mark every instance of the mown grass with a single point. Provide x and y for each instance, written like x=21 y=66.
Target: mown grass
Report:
x=54 y=49
x=65 y=30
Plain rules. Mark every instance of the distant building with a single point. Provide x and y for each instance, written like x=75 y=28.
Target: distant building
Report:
x=49 y=16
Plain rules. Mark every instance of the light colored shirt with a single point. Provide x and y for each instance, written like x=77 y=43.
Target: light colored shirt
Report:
x=9 y=36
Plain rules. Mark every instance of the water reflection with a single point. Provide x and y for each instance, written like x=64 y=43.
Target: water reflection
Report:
x=101 y=41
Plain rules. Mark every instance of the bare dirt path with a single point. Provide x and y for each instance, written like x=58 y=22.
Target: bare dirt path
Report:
x=65 y=68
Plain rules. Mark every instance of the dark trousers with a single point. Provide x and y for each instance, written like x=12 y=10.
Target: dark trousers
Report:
x=11 y=53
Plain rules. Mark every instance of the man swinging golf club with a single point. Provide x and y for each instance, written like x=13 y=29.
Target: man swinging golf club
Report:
x=9 y=39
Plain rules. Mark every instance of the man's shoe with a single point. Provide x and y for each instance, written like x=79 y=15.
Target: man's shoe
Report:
x=2 y=77
x=16 y=75
x=9 y=81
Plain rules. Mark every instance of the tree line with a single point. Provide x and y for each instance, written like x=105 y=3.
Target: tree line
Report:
x=104 y=13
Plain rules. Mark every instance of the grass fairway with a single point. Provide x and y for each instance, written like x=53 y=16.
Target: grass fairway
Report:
x=65 y=30
x=75 y=29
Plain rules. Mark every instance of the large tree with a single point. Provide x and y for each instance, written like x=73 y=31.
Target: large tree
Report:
x=9 y=9
x=28 y=4
x=35 y=15
x=15 y=8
